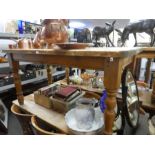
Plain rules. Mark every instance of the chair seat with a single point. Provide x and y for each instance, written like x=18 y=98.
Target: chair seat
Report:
x=42 y=128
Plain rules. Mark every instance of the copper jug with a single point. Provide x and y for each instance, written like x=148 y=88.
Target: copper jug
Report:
x=37 y=39
x=24 y=43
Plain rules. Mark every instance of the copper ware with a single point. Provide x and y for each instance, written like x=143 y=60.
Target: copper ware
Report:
x=24 y=44
x=2 y=60
x=72 y=45
x=53 y=31
x=10 y=46
x=37 y=39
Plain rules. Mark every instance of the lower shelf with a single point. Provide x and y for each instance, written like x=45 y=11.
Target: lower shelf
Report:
x=48 y=115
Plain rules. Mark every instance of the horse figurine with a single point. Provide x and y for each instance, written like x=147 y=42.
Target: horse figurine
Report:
x=104 y=32
x=82 y=35
x=146 y=26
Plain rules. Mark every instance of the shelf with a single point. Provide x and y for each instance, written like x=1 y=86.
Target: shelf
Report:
x=5 y=88
x=15 y=36
x=5 y=65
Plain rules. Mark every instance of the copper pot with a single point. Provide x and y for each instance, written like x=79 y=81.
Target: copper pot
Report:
x=24 y=44
x=37 y=39
x=53 y=31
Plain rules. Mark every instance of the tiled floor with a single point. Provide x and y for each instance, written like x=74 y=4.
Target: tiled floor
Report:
x=142 y=127
x=14 y=127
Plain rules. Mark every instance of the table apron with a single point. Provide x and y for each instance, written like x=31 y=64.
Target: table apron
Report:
x=146 y=54
x=67 y=61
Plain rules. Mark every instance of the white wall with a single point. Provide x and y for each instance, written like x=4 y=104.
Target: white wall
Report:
x=2 y=25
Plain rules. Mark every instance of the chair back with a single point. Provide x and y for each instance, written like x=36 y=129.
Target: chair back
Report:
x=42 y=128
x=24 y=119
x=90 y=94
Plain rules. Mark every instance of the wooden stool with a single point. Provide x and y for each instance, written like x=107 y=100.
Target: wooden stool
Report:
x=42 y=128
x=24 y=119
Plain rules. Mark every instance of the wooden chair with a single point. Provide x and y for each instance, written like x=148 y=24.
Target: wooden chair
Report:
x=142 y=88
x=42 y=128
x=90 y=94
x=24 y=119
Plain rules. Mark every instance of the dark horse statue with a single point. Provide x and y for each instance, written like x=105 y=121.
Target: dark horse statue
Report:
x=104 y=32
x=146 y=26
x=82 y=35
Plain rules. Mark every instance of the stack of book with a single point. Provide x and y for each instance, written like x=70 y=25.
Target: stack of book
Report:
x=42 y=96
x=48 y=90
x=67 y=93
x=65 y=98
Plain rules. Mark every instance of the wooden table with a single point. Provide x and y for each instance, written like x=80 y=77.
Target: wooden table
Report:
x=146 y=100
x=111 y=60
x=147 y=52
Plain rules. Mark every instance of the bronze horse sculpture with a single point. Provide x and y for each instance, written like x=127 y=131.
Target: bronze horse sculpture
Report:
x=103 y=32
x=82 y=35
x=146 y=26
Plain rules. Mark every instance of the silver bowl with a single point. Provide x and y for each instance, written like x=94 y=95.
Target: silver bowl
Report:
x=97 y=126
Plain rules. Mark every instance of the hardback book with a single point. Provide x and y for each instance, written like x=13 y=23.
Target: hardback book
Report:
x=66 y=92
x=48 y=90
x=74 y=95
x=70 y=98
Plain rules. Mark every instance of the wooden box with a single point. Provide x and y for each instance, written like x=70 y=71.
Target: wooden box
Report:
x=43 y=100
x=63 y=106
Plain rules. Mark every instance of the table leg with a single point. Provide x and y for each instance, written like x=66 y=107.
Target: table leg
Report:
x=67 y=74
x=137 y=69
x=153 y=93
x=49 y=74
x=112 y=79
x=132 y=66
x=17 y=80
x=147 y=73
